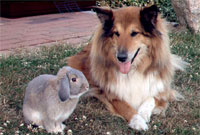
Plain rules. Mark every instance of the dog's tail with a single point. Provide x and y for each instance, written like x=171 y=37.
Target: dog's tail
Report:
x=178 y=63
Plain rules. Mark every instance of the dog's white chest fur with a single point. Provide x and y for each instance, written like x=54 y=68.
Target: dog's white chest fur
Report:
x=134 y=87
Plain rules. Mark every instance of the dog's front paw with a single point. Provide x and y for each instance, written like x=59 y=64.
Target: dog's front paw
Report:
x=146 y=114
x=138 y=123
x=146 y=109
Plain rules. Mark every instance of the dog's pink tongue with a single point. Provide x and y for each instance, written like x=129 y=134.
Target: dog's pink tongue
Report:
x=125 y=67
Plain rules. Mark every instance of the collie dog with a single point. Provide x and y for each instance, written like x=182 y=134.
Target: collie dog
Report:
x=129 y=64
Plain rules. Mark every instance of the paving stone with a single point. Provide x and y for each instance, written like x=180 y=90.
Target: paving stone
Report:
x=70 y=28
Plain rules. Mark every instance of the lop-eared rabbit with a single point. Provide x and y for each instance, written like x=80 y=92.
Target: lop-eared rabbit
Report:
x=50 y=100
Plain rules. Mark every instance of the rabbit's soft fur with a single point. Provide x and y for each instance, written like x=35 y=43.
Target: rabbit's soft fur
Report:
x=50 y=100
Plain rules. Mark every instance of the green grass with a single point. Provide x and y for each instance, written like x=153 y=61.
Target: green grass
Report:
x=90 y=116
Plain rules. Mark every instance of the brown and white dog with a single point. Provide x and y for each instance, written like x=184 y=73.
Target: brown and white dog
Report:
x=129 y=65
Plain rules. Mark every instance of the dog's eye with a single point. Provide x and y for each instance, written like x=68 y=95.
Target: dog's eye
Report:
x=133 y=34
x=73 y=79
x=117 y=33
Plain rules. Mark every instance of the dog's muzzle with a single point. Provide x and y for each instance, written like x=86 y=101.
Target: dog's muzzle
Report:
x=122 y=56
x=124 y=60
x=135 y=55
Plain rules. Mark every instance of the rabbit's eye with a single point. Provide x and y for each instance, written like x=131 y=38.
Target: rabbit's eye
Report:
x=73 y=79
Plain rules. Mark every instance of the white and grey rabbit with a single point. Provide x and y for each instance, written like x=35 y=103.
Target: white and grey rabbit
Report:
x=50 y=100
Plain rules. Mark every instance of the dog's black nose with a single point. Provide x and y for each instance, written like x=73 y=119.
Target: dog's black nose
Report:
x=122 y=56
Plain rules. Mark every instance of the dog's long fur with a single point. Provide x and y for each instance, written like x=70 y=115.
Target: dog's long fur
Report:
x=145 y=87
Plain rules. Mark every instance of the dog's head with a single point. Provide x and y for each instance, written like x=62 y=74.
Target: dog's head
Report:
x=129 y=32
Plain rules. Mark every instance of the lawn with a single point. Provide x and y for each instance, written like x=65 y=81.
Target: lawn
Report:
x=90 y=116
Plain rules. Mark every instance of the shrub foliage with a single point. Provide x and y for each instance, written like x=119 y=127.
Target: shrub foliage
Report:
x=165 y=6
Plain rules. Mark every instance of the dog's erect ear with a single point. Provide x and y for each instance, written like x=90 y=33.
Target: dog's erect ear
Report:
x=148 y=18
x=105 y=16
x=64 y=89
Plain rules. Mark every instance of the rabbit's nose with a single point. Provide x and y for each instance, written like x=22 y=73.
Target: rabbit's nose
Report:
x=86 y=86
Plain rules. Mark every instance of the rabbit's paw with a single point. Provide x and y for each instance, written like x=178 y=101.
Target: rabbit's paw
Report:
x=59 y=128
x=146 y=109
x=62 y=126
x=138 y=123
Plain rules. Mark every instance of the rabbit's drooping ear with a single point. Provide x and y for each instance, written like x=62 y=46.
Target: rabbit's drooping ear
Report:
x=64 y=89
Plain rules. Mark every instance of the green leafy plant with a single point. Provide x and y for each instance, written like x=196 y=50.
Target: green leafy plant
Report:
x=164 y=6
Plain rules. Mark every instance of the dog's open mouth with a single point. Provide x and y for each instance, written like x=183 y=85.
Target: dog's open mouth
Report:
x=125 y=67
x=135 y=55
